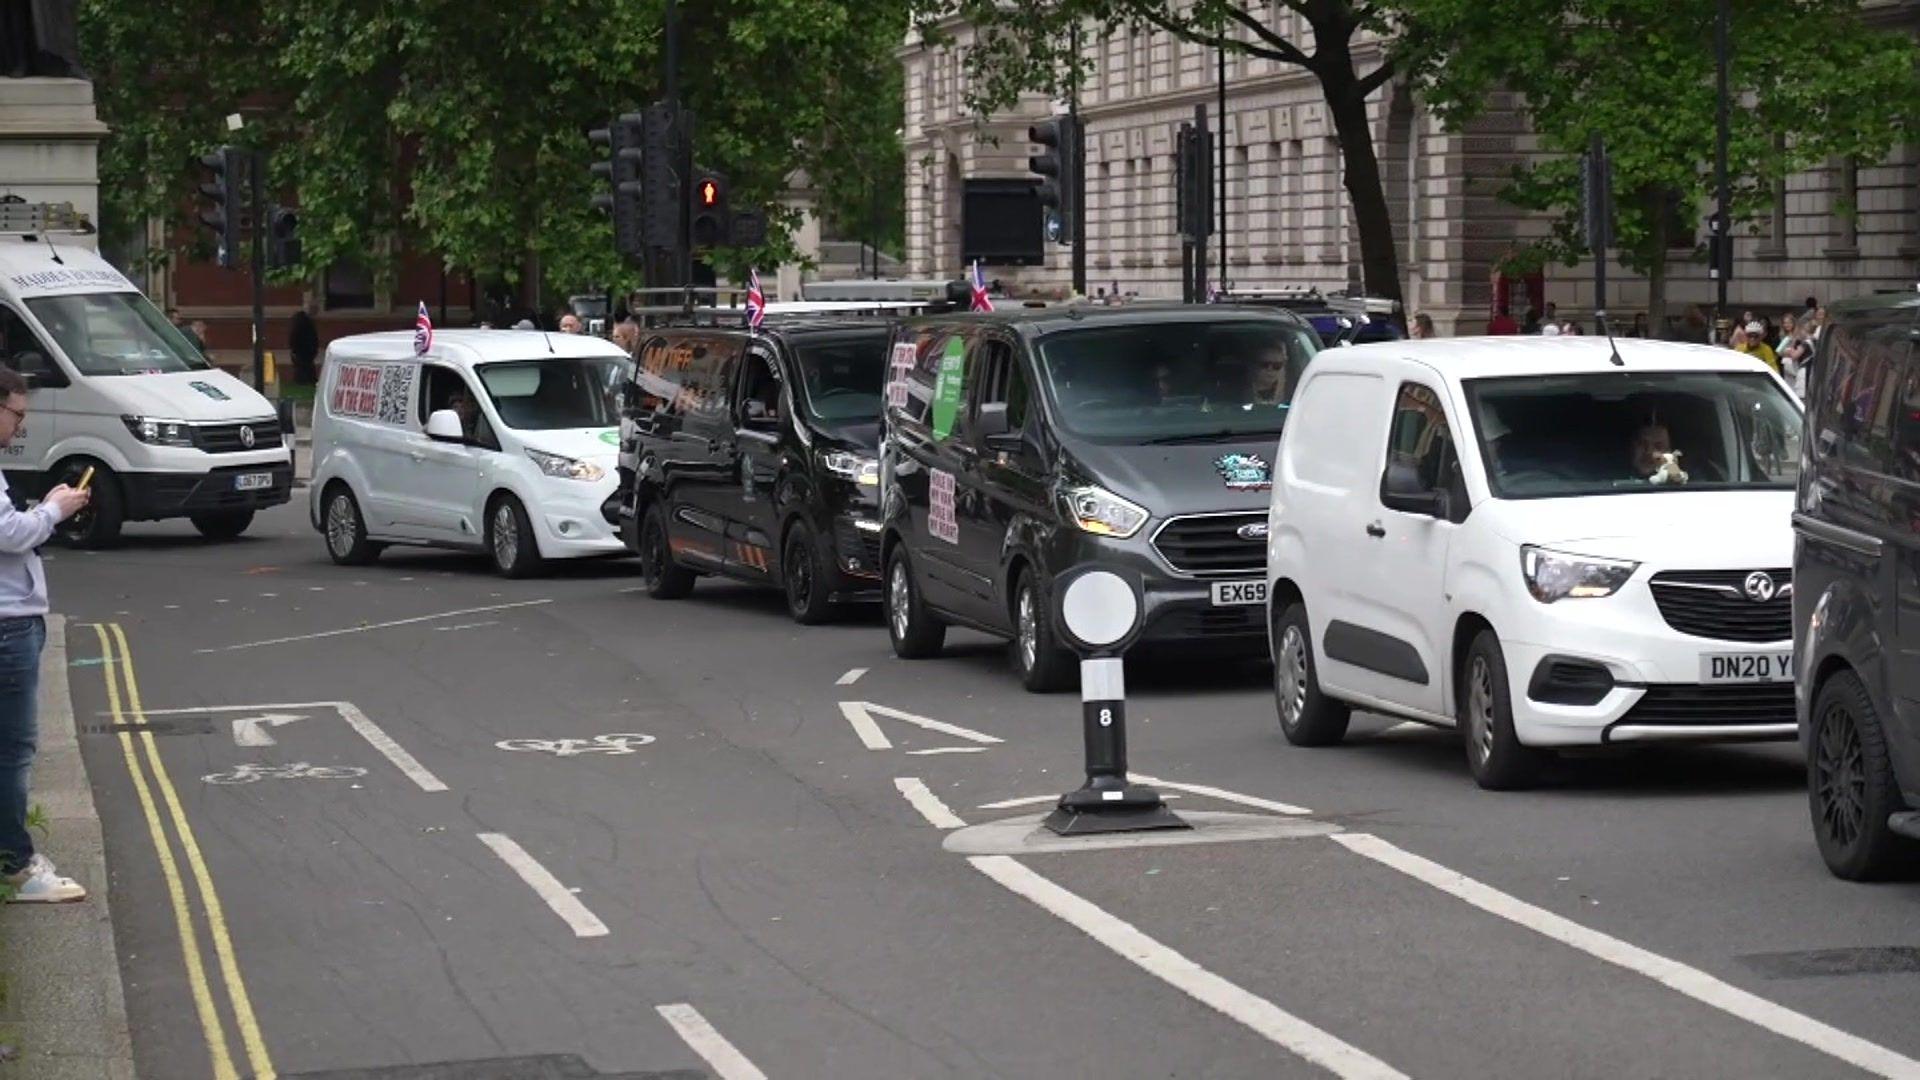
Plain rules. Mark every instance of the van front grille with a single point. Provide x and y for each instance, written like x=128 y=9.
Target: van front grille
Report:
x=1715 y=604
x=1210 y=545
x=229 y=439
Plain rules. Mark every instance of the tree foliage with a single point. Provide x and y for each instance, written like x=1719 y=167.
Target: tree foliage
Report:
x=460 y=128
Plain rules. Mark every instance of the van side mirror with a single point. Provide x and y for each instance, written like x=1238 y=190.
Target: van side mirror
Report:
x=762 y=416
x=1402 y=489
x=39 y=372
x=994 y=427
x=444 y=426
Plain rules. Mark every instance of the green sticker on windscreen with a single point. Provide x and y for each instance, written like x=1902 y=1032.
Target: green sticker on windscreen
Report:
x=947 y=387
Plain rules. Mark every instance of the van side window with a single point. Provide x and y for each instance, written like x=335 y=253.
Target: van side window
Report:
x=1860 y=385
x=1005 y=383
x=445 y=388
x=760 y=390
x=936 y=383
x=681 y=380
x=1419 y=438
x=20 y=348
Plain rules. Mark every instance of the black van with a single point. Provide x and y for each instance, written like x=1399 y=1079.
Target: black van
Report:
x=1022 y=443
x=752 y=455
x=1856 y=582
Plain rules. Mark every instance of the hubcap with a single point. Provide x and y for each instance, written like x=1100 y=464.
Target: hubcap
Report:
x=1029 y=630
x=1480 y=710
x=506 y=536
x=340 y=524
x=1291 y=670
x=1840 y=777
x=898 y=599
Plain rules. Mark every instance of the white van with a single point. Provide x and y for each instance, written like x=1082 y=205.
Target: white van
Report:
x=503 y=441
x=1538 y=541
x=117 y=388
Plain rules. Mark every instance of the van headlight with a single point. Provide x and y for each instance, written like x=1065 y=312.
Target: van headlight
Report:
x=857 y=468
x=1099 y=511
x=1553 y=575
x=157 y=432
x=565 y=468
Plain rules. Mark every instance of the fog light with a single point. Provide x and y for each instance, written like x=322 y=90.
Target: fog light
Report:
x=568 y=527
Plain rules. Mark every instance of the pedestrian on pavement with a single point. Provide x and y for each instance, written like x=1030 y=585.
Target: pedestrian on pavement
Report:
x=197 y=333
x=1502 y=323
x=186 y=330
x=570 y=323
x=1796 y=354
x=1639 y=328
x=1752 y=340
x=303 y=342
x=1422 y=326
x=29 y=876
x=1551 y=314
x=627 y=336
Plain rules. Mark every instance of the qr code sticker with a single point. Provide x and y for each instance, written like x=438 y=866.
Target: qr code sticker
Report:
x=396 y=386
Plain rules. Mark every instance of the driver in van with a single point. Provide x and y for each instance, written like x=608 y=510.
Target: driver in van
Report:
x=1268 y=377
x=1649 y=442
x=460 y=400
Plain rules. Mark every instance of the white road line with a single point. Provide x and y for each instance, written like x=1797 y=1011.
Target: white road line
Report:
x=928 y=803
x=466 y=626
x=727 y=1061
x=357 y=720
x=1690 y=981
x=1265 y=1018
x=949 y=750
x=1223 y=793
x=852 y=676
x=1025 y=800
x=867 y=710
x=863 y=726
x=374 y=626
x=546 y=886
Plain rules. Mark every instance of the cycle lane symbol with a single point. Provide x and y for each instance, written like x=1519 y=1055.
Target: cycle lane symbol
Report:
x=250 y=773
x=621 y=743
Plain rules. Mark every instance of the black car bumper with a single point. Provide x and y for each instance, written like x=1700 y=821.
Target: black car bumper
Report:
x=151 y=496
x=1179 y=609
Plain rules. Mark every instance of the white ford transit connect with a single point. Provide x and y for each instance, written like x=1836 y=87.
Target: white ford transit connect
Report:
x=497 y=440
x=1539 y=541
x=115 y=387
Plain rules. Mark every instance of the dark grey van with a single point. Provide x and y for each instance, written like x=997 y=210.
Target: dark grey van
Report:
x=1019 y=444
x=1856 y=582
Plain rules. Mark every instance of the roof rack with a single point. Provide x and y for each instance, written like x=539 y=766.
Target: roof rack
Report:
x=1338 y=301
x=19 y=217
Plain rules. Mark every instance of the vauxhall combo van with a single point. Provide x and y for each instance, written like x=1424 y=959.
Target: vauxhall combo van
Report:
x=116 y=388
x=499 y=441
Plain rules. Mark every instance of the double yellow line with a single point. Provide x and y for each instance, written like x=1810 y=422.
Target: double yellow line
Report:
x=123 y=698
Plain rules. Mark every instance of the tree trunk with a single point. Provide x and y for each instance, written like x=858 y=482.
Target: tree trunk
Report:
x=1379 y=262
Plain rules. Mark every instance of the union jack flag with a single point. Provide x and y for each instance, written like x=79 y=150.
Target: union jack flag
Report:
x=980 y=300
x=756 y=301
x=422 y=331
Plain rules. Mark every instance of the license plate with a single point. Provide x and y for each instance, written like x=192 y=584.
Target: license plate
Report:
x=1746 y=667
x=253 y=481
x=1235 y=593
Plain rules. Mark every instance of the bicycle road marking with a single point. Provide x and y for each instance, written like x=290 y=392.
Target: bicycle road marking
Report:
x=356 y=719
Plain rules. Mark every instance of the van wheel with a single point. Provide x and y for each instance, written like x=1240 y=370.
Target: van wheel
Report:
x=915 y=633
x=664 y=578
x=1043 y=665
x=98 y=525
x=1850 y=786
x=1307 y=716
x=347 y=539
x=1495 y=755
x=806 y=581
x=510 y=540
x=224 y=525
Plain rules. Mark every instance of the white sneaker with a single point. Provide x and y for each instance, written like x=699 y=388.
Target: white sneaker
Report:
x=43 y=886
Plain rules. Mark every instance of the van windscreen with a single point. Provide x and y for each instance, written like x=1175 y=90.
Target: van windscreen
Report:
x=550 y=394
x=1169 y=382
x=115 y=333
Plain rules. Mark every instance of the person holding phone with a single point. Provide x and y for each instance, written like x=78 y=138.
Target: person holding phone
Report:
x=30 y=876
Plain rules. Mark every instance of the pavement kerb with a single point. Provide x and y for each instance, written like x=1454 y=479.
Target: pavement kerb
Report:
x=65 y=1010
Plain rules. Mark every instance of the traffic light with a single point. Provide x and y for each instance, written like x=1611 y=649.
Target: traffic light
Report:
x=1193 y=183
x=1596 y=198
x=222 y=189
x=1058 y=167
x=625 y=140
x=708 y=224
x=660 y=176
x=283 y=238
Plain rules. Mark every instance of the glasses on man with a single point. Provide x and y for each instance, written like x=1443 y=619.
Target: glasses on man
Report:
x=19 y=415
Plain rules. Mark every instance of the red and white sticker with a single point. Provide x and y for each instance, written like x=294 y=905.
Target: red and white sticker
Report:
x=899 y=366
x=941 y=523
x=356 y=390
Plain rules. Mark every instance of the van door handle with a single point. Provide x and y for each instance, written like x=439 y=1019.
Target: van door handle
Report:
x=1375 y=530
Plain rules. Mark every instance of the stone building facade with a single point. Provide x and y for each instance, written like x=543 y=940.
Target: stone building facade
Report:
x=1287 y=212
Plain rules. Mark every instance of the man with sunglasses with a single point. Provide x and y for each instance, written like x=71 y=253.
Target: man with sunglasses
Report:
x=29 y=877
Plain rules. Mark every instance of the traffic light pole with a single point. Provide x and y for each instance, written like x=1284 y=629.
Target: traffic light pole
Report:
x=1079 y=193
x=1722 y=258
x=257 y=187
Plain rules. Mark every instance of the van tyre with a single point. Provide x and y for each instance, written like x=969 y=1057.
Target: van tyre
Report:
x=98 y=525
x=664 y=579
x=805 y=578
x=510 y=540
x=915 y=633
x=1308 y=717
x=1043 y=665
x=1495 y=755
x=1850 y=786
x=223 y=525
x=346 y=530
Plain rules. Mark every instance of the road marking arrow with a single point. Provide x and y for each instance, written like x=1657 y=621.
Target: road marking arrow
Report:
x=860 y=714
x=248 y=731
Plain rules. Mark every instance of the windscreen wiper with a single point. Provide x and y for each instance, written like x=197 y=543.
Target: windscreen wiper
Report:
x=1211 y=436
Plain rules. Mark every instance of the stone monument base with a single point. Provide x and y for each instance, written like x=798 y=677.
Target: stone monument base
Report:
x=50 y=142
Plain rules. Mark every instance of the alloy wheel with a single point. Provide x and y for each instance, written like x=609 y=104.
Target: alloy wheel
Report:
x=340 y=526
x=1291 y=670
x=799 y=571
x=506 y=536
x=899 y=598
x=1480 y=709
x=1840 y=777
x=1029 y=629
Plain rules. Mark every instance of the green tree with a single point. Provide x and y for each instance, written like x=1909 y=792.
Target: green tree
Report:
x=1810 y=82
x=1027 y=47
x=459 y=128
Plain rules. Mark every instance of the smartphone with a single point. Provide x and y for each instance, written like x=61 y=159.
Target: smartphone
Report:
x=85 y=479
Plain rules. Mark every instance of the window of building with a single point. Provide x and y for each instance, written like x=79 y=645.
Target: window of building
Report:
x=349 y=286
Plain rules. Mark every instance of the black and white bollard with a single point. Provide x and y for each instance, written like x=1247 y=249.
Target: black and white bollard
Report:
x=1098 y=612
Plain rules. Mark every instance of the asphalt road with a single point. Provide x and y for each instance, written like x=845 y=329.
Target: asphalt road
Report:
x=413 y=820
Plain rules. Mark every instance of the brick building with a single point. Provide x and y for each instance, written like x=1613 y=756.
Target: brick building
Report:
x=1288 y=220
